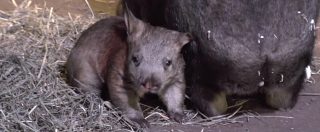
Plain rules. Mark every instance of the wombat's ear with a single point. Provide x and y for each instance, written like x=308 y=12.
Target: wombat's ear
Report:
x=133 y=24
x=184 y=39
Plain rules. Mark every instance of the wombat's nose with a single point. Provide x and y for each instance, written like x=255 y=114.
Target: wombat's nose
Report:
x=150 y=84
x=147 y=85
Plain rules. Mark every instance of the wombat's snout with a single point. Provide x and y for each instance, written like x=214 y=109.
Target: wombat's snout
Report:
x=150 y=84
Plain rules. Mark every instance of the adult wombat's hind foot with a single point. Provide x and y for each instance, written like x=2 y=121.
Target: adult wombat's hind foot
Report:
x=215 y=104
x=280 y=98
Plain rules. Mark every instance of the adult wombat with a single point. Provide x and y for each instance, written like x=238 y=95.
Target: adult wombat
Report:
x=129 y=58
x=242 y=47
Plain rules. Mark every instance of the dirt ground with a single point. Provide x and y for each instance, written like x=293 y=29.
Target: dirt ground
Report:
x=305 y=116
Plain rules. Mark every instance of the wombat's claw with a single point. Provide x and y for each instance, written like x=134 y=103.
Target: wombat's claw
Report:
x=141 y=122
x=176 y=116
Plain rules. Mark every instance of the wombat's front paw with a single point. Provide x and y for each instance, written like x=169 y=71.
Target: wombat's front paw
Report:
x=177 y=116
x=143 y=123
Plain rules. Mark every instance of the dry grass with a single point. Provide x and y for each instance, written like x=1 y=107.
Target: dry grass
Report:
x=34 y=45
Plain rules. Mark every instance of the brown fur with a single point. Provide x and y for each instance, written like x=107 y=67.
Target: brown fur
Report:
x=101 y=61
x=95 y=52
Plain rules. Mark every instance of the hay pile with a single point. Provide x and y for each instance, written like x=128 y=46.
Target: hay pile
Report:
x=34 y=45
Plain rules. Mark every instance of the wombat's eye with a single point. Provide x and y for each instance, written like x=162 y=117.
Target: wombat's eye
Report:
x=135 y=60
x=168 y=62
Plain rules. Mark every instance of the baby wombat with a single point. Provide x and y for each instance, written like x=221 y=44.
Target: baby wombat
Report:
x=129 y=58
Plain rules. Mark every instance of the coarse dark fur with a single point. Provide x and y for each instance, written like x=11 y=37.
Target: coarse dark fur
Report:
x=148 y=10
x=128 y=58
x=243 y=47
